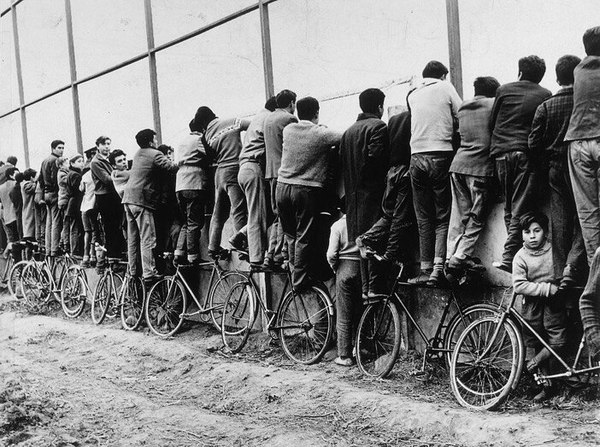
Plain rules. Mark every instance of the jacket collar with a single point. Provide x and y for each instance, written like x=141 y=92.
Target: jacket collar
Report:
x=365 y=116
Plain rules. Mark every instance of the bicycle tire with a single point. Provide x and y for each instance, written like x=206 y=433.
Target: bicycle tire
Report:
x=218 y=294
x=238 y=316
x=133 y=296
x=59 y=269
x=484 y=383
x=14 y=279
x=73 y=294
x=36 y=286
x=305 y=325
x=165 y=305
x=378 y=339
x=105 y=297
x=457 y=325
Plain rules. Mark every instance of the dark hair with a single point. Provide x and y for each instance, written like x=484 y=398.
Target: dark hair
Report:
x=102 y=139
x=192 y=125
x=145 y=137
x=591 y=41
x=204 y=115
x=29 y=173
x=89 y=153
x=565 y=67
x=74 y=158
x=534 y=217
x=271 y=103
x=164 y=148
x=435 y=69
x=486 y=86
x=19 y=177
x=10 y=171
x=532 y=68
x=284 y=98
x=56 y=143
x=370 y=100
x=113 y=156
x=307 y=108
x=12 y=160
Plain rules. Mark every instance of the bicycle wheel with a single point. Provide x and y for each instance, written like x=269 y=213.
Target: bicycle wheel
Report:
x=73 y=294
x=305 y=325
x=59 y=269
x=105 y=297
x=14 y=279
x=133 y=294
x=459 y=322
x=378 y=339
x=165 y=305
x=237 y=316
x=4 y=278
x=36 y=286
x=486 y=363
x=218 y=295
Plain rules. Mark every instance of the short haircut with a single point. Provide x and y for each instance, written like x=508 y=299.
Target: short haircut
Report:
x=145 y=137
x=565 y=66
x=591 y=41
x=271 y=103
x=102 y=139
x=204 y=115
x=284 y=98
x=486 y=86
x=12 y=160
x=533 y=217
x=74 y=158
x=10 y=171
x=532 y=68
x=164 y=148
x=56 y=143
x=435 y=69
x=60 y=161
x=29 y=174
x=192 y=125
x=19 y=177
x=370 y=100
x=113 y=156
x=307 y=108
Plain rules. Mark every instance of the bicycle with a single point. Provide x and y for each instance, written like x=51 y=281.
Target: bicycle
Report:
x=107 y=292
x=75 y=291
x=489 y=355
x=379 y=337
x=303 y=321
x=167 y=305
x=11 y=274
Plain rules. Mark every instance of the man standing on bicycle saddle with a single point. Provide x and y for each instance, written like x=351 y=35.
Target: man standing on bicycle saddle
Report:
x=140 y=199
x=49 y=184
x=300 y=186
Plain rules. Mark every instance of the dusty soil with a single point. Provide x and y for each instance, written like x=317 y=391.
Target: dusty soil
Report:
x=70 y=383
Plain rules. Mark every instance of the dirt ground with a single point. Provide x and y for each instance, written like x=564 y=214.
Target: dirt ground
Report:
x=70 y=383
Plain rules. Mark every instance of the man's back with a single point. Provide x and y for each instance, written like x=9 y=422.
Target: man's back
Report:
x=584 y=124
x=223 y=136
x=143 y=187
x=512 y=115
x=48 y=173
x=273 y=132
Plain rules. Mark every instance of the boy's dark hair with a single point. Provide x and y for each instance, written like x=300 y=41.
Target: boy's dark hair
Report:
x=164 y=148
x=74 y=158
x=284 y=98
x=591 y=41
x=565 y=67
x=10 y=171
x=486 y=86
x=102 y=139
x=12 y=160
x=435 y=69
x=19 y=177
x=307 y=108
x=533 y=217
x=204 y=115
x=532 y=68
x=271 y=104
x=192 y=125
x=114 y=154
x=145 y=137
x=56 y=143
x=29 y=173
x=370 y=100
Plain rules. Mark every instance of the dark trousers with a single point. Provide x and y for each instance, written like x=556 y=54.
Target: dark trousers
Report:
x=74 y=230
x=548 y=317
x=519 y=186
x=348 y=304
x=229 y=199
x=589 y=306
x=276 y=249
x=110 y=209
x=40 y=224
x=568 y=247
x=432 y=199
x=191 y=204
x=298 y=210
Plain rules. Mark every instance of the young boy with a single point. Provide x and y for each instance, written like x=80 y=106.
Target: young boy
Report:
x=63 y=200
x=74 y=227
x=543 y=309
x=344 y=258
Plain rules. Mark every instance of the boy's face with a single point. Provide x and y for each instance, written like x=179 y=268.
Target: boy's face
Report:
x=121 y=163
x=78 y=163
x=534 y=237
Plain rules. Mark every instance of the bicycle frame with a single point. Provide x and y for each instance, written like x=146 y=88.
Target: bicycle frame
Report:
x=216 y=271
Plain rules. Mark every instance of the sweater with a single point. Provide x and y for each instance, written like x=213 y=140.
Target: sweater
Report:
x=254 y=140
x=87 y=187
x=224 y=138
x=63 y=194
x=340 y=247
x=101 y=170
x=273 y=132
x=120 y=179
x=28 y=215
x=533 y=271
x=305 y=154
